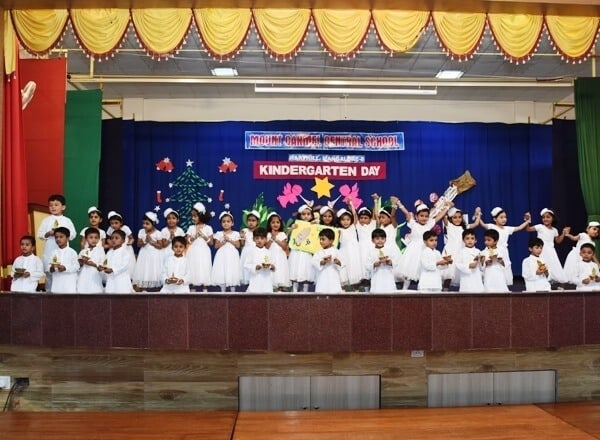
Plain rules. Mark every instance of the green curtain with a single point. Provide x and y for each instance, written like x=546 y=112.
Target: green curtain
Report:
x=83 y=128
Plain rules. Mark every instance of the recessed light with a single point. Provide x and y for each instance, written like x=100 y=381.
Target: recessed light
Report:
x=449 y=74
x=224 y=71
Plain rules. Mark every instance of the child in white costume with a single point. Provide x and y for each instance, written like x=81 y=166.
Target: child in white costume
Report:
x=169 y=232
x=468 y=264
x=56 y=206
x=454 y=225
x=549 y=235
x=353 y=269
x=116 y=222
x=259 y=264
x=588 y=274
x=95 y=219
x=278 y=247
x=148 y=268
x=116 y=265
x=247 y=242
x=499 y=225
x=432 y=264
x=494 y=258
x=27 y=269
x=364 y=227
x=91 y=255
x=381 y=263
x=174 y=273
x=592 y=231
x=302 y=273
x=63 y=264
x=327 y=264
x=534 y=269
x=226 y=265
x=200 y=237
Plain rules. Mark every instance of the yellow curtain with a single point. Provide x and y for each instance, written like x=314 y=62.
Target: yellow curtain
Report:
x=40 y=29
x=161 y=31
x=342 y=32
x=459 y=33
x=100 y=31
x=399 y=31
x=516 y=34
x=223 y=31
x=282 y=30
x=10 y=45
x=573 y=36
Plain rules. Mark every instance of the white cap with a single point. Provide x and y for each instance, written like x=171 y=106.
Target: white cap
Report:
x=453 y=211
x=304 y=208
x=170 y=211
x=365 y=210
x=255 y=213
x=421 y=207
x=341 y=212
x=93 y=209
x=152 y=216
x=272 y=215
x=224 y=213
x=546 y=211
x=115 y=214
x=198 y=206
x=324 y=209
x=385 y=212
x=497 y=210
x=593 y=225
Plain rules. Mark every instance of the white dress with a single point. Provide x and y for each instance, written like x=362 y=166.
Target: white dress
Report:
x=573 y=258
x=549 y=255
x=226 y=265
x=149 y=263
x=128 y=247
x=382 y=277
x=586 y=270
x=32 y=264
x=199 y=256
x=452 y=247
x=430 y=278
x=281 y=276
x=410 y=263
x=260 y=280
x=175 y=267
x=247 y=250
x=65 y=282
x=166 y=234
x=504 y=233
x=471 y=279
x=118 y=281
x=327 y=277
x=90 y=279
x=353 y=269
x=365 y=242
x=494 y=275
x=535 y=282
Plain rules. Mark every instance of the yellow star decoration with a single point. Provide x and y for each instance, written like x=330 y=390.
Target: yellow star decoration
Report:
x=322 y=187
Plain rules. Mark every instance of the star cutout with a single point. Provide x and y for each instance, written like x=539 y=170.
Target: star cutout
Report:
x=189 y=163
x=157 y=208
x=227 y=161
x=322 y=187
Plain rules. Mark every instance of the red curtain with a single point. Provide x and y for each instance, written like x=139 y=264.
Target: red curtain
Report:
x=14 y=219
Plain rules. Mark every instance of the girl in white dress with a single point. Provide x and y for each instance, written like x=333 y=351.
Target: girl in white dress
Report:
x=95 y=219
x=91 y=255
x=549 y=235
x=419 y=223
x=352 y=272
x=226 y=265
x=499 y=217
x=116 y=222
x=200 y=237
x=302 y=273
x=454 y=225
x=248 y=245
x=364 y=227
x=327 y=217
x=592 y=231
x=278 y=249
x=170 y=231
x=149 y=265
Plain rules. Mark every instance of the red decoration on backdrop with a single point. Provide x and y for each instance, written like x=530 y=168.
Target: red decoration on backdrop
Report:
x=165 y=164
x=44 y=127
x=13 y=205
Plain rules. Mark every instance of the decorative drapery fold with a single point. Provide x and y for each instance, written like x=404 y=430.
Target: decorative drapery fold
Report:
x=573 y=37
x=282 y=31
x=459 y=33
x=161 y=31
x=342 y=32
x=517 y=35
x=223 y=31
x=399 y=31
x=100 y=31
x=10 y=46
x=39 y=30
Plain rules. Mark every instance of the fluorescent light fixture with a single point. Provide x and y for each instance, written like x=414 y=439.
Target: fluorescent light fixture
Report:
x=224 y=71
x=345 y=90
x=449 y=74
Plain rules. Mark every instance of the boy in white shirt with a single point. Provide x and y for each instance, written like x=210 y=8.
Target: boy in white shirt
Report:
x=258 y=265
x=64 y=264
x=432 y=263
x=494 y=279
x=175 y=273
x=327 y=264
x=381 y=263
x=468 y=264
x=91 y=255
x=588 y=274
x=27 y=269
x=534 y=270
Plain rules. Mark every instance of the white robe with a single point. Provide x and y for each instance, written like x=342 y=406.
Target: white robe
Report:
x=535 y=282
x=259 y=280
x=470 y=279
x=494 y=275
x=430 y=278
x=327 y=277
x=90 y=279
x=64 y=282
x=175 y=267
x=118 y=280
x=586 y=270
x=382 y=277
x=32 y=264
x=49 y=223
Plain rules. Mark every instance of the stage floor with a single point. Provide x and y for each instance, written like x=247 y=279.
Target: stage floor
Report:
x=566 y=421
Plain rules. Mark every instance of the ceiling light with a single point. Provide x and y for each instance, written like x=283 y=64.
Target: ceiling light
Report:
x=449 y=74
x=345 y=90
x=224 y=71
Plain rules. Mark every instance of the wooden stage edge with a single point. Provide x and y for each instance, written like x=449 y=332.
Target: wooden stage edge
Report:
x=565 y=421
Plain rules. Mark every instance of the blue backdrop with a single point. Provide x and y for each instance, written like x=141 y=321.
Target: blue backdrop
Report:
x=511 y=163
